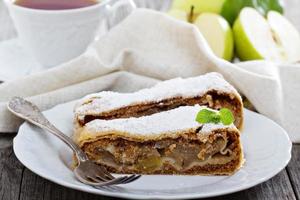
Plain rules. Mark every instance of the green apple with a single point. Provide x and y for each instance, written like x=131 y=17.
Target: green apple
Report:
x=178 y=14
x=254 y=38
x=200 y=6
x=181 y=5
x=286 y=35
x=217 y=33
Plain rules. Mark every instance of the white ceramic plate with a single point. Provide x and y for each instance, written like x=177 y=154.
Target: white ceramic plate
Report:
x=266 y=145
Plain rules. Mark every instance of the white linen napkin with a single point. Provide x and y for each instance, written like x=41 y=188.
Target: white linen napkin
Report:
x=149 y=46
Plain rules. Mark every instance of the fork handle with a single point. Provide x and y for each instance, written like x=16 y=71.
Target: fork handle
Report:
x=31 y=113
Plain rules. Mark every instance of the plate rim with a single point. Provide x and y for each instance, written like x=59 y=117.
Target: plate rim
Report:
x=63 y=183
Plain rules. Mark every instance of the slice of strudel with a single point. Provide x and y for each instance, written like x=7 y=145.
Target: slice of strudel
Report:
x=210 y=90
x=169 y=142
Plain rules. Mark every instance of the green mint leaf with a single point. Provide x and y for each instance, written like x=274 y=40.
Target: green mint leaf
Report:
x=215 y=118
x=205 y=116
x=226 y=116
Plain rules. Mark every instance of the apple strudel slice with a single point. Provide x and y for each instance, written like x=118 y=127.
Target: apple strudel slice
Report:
x=169 y=142
x=210 y=90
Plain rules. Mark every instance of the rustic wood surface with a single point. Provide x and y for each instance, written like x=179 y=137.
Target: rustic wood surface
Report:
x=17 y=182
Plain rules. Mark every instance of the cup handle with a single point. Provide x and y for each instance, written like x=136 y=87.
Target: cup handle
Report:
x=117 y=10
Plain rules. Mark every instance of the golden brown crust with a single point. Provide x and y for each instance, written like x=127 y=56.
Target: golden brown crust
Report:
x=212 y=99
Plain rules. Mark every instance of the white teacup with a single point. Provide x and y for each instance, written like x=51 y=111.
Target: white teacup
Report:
x=56 y=36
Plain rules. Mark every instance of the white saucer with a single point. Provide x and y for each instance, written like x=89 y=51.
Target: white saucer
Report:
x=266 y=145
x=15 y=62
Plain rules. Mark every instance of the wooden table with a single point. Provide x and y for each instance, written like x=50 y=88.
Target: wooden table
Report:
x=17 y=182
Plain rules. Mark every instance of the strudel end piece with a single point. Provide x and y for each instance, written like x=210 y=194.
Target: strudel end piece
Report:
x=210 y=90
x=170 y=142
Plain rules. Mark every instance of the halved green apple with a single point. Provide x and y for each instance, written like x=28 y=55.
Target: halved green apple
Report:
x=285 y=35
x=254 y=38
x=217 y=33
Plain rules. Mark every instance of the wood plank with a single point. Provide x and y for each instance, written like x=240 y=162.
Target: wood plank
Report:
x=10 y=170
x=37 y=188
x=33 y=187
x=279 y=187
x=293 y=169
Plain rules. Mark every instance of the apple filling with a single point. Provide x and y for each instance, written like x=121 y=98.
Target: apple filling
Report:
x=181 y=154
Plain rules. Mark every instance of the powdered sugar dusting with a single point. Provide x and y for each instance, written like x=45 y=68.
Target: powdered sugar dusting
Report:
x=196 y=86
x=172 y=121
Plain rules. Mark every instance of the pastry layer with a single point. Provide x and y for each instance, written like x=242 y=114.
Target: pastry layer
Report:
x=210 y=90
x=170 y=142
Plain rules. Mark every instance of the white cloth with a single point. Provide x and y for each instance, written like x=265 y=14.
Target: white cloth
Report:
x=149 y=46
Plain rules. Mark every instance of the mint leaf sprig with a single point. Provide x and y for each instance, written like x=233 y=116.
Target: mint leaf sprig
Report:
x=205 y=116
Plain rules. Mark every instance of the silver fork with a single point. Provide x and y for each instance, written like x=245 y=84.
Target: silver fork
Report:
x=86 y=171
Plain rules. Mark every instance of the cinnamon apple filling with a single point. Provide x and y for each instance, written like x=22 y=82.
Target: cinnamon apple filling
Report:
x=181 y=153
